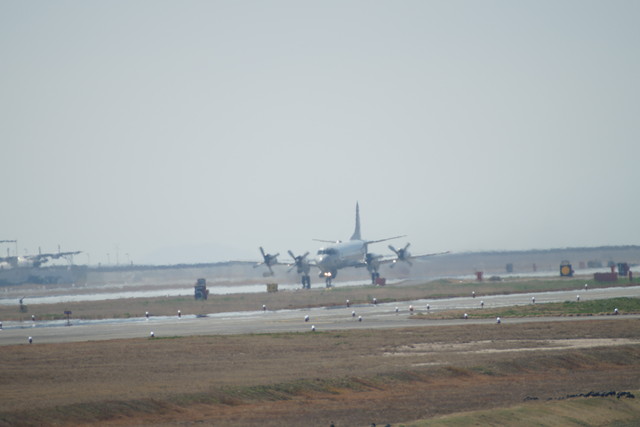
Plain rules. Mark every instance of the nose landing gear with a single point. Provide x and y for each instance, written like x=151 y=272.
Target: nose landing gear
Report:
x=328 y=277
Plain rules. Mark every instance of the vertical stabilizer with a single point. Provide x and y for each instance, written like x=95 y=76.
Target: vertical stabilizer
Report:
x=356 y=233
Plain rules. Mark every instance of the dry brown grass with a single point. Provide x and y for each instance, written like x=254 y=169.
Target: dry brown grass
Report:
x=310 y=379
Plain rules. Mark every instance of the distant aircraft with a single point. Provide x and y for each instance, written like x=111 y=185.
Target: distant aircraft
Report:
x=31 y=261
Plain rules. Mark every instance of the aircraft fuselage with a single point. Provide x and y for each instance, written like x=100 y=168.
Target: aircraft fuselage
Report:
x=343 y=254
x=19 y=262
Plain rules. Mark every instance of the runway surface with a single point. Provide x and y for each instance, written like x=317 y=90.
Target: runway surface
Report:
x=373 y=316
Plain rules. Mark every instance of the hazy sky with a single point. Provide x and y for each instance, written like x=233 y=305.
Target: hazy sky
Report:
x=196 y=131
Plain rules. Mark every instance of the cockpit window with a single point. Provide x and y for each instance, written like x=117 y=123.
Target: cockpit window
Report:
x=328 y=251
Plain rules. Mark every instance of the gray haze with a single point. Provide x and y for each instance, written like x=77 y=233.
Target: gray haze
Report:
x=166 y=131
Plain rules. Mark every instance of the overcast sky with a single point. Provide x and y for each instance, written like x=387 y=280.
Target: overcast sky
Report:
x=196 y=131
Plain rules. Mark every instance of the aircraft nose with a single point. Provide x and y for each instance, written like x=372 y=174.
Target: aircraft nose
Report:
x=322 y=260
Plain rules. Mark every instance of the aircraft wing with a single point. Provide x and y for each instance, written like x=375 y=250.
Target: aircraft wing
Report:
x=432 y=254
x=384 y=240
x=41 y=257
x=368 y=242
x=403 y=256
x=360 y=265
x=326 y=241
x=60 y=254
x=292 y=265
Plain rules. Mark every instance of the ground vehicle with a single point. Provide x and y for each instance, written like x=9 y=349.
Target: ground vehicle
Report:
x=200 y=289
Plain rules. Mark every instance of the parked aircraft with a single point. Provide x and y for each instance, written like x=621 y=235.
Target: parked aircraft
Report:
x=31 y=261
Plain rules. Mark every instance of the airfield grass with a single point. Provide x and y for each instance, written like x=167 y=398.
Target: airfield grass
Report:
x=603 y=307
x=578 y=412
x=351 y=378
x=316 y=297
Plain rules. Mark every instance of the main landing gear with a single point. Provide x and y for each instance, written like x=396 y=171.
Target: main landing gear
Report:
x=374 y=277
x=306 y=281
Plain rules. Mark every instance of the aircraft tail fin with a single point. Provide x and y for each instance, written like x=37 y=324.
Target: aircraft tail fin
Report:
x=356 y=232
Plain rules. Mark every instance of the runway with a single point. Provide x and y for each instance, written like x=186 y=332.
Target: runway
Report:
x=373 y=316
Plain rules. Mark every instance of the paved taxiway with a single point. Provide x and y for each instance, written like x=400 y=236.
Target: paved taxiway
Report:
x=331 y=318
